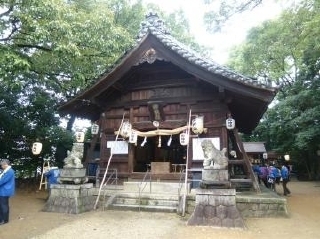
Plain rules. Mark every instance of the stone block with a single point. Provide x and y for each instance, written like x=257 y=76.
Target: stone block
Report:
x=215 y=175
x=227 y=222
x=202 y=199
x=209 y=211
x=221 y=211
x=233 y=212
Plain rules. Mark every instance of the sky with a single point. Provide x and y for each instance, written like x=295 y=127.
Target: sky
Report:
x=232 y=34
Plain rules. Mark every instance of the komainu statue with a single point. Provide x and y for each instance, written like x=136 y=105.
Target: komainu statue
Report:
x=213 y=158
x=73 y=160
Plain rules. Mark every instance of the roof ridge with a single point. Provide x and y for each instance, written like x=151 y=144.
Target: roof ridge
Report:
x=155 y=25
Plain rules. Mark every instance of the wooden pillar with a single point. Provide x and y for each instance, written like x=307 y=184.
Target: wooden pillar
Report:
x=131 y=147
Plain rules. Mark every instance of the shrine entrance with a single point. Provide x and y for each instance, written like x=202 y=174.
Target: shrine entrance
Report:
x=159 y=149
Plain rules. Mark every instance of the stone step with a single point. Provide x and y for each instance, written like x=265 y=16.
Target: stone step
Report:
x=149 y=208
x=146 y=202
x=155 y=187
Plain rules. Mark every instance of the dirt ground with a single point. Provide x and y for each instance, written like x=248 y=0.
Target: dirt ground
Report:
x=28 y=221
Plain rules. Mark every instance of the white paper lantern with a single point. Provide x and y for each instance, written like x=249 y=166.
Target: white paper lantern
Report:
x=125 y=129
x=36 y=148
x=287 y=157
x=197 y=125
x=94 y=129
x=265 y=156
x=230 y=123
x=184 y=139
x=80 y=136
x=133 y=138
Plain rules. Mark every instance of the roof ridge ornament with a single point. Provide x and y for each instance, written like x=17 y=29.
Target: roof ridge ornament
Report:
x=152 y=23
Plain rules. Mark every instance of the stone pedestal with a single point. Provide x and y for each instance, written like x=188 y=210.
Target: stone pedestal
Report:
x=73 y=175
x=67 y=198
x=217 y=208
x=215 y=178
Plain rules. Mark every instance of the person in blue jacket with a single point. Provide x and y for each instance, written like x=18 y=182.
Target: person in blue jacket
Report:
x=7 y=189
x=285 y=173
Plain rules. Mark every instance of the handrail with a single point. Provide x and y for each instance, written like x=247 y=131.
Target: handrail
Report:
x=182 y=173
x=140 y=185
x=115 y=179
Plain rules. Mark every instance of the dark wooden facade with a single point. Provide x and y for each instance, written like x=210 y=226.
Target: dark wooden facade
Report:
x=160 y=69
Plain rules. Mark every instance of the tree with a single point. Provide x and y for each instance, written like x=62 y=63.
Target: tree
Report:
x=50 y=50
x=226 y=9
x=288 y=50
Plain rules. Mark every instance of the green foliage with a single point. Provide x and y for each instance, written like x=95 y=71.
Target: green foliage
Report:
x=50 y=50
x=288 y=51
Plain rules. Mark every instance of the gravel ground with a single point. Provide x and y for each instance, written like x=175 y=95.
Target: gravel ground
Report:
x=28 y=221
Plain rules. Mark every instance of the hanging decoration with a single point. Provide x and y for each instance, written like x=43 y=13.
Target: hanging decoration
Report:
x=36 y=148
x=144 y=141
x=94 y=129
x=159 y=142
x=125 y=130
x=133 y=138
x=169 y=141
x=230 y=123
x=184 y=139
x=79 y=136
x=197 y=125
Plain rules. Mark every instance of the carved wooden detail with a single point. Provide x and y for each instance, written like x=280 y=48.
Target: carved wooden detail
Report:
x=149 y=56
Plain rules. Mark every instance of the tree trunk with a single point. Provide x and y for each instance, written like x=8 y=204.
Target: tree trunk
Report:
x=71 y=122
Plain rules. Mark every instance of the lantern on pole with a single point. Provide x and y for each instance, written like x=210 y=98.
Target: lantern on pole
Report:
x=230 y=123
x=80 y=136
x=197 y=125
x=94 y=129
x=36 y=148
x=184 y=139
x=125 y=130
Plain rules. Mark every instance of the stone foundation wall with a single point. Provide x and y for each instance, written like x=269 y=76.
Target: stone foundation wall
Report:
x=73 y=199
x=262 y=207
x=253 y=205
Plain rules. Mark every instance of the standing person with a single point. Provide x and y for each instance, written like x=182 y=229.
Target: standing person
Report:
x=7 y=189
x=271 y=178
x=264 y=174
x=285 y=179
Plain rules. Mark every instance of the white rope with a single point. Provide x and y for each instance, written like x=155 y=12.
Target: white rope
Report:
x=159 y=131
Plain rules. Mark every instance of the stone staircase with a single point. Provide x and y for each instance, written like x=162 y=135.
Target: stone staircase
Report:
x=160 y=197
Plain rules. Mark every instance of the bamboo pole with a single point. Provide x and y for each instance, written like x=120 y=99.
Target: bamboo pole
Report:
x=109 y=160
x=186 y=176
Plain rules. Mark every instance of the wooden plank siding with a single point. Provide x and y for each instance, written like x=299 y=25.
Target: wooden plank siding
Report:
x=201 y=98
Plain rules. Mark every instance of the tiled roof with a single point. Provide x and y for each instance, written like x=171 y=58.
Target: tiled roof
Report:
x=155 y=26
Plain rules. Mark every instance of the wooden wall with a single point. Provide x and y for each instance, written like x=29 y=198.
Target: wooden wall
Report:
x=177 y=99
